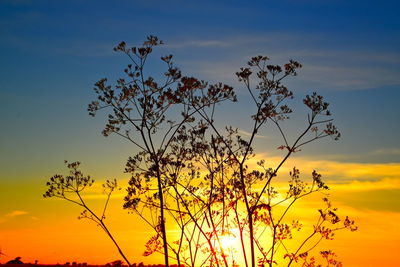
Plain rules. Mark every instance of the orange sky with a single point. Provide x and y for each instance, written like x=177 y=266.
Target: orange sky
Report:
x=48 y=229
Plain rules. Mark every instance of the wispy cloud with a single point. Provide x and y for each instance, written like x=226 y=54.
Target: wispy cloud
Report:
x=12 y=214
x=364 y=176
x=16 y=213
x=199 y=43
x=386 y=151
x=248 y=134
x=345 y=173
x=324 y=68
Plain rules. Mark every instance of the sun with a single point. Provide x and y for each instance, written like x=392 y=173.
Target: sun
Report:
x=230 y=240
x=227 y=241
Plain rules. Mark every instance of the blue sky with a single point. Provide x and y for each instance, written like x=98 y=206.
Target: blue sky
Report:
x=52 y=52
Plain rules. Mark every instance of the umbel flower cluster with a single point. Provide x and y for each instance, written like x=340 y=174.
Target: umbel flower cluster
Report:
x=203 y=179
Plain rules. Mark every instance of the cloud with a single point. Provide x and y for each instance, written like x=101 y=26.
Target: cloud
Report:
x=12 y=214
x=362 y=186
x=343 y=175
x=248 y=134
x=199 y=43
x=355 y=177
x=348 y=76
x=386 y=151
x=340 y=171
x=16 y=213
x=324 y=67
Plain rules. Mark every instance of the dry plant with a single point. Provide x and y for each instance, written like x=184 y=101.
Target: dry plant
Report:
x=202 y=179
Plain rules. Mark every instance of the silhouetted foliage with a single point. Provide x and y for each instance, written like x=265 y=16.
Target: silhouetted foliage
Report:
x=70 y=188
x=1 y=252
x=205 y=178
x=115 y=263
x=17 y=261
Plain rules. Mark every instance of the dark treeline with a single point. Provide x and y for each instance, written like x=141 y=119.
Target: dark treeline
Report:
x=81 y=264
x=117 y=263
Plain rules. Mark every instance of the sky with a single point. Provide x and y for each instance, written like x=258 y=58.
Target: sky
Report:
x=52 y=53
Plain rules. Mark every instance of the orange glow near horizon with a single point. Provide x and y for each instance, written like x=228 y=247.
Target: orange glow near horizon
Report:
x=63 y=243
x=52 y=234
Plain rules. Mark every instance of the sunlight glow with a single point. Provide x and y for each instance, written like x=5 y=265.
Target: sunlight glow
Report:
x=228 y=241
x=231 y=245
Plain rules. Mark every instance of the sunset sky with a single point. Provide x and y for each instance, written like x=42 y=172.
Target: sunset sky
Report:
x=52 y=53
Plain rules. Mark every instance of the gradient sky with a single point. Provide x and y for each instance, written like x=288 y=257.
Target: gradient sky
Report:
x=52 y=52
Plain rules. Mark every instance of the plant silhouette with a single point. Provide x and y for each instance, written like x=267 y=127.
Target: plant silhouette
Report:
x=1 y=252
x=209 y=180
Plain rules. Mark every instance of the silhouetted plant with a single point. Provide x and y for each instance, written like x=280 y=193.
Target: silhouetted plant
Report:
x=70 y=188
x=204 y=179
x=1 y=252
